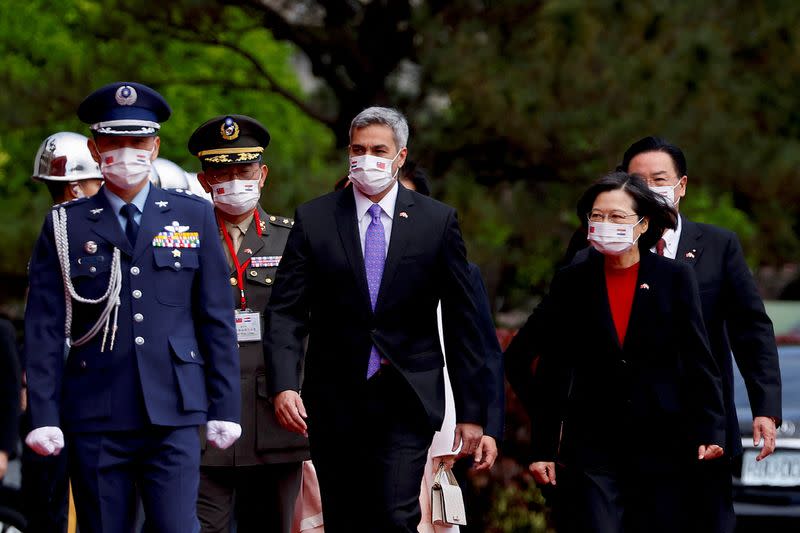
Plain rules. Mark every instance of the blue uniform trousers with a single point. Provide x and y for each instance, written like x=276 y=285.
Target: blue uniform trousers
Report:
x=161 y=464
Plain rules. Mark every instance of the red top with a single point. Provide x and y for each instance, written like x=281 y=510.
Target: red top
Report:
x=621 y=285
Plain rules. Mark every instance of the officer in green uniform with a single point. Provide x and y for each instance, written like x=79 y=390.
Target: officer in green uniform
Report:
x=261 y=473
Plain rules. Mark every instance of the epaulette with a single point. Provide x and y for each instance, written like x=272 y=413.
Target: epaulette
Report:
x=185 y=193
x=283 y=222
x=70 y=203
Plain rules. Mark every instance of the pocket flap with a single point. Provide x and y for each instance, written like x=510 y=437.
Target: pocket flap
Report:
x=185 y=350
x=420 y=362
x=91 y=266
x=169 y=258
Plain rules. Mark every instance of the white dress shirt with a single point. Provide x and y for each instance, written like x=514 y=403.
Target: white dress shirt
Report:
x=671 y=238
x=364 y=218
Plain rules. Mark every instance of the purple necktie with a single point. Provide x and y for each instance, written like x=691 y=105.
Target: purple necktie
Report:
x=374 y=259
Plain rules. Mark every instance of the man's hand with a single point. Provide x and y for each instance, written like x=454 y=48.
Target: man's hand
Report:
x=222 y=434
x=47 y=440
x=469 y=436
x=3 y=464
x=486 y=453
x=290 y=412
x=707 y=452
x=764 y=429
x=544 y=472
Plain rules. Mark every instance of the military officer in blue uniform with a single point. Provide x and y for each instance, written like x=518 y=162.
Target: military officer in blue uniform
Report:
x=130 y=343
x=261 y=473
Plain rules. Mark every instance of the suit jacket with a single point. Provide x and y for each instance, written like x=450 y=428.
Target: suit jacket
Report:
x=735 y=319
x=649 y=402
x=321 y=289
x=494 y=381
x=174 y=361
x=263 y=439
x=9 y=387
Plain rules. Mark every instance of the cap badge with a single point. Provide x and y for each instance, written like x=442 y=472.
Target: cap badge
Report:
x=229 y=129
x=126 y=95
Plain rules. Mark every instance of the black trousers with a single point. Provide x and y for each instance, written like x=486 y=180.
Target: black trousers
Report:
x=622 y=500
x=370 y=473
x=45 y=487
x=261 y=497
x=713 y=496
x=45 y=491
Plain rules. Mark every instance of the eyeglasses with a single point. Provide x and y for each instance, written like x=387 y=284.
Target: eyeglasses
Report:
x=230 y=174
x=615 y=217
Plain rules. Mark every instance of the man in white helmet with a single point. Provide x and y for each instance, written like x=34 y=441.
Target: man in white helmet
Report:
x=64 y=163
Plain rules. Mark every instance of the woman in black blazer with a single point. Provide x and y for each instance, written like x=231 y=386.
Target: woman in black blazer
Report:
x=626 y=393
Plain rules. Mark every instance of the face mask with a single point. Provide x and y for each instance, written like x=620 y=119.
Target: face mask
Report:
x=126 y=167
x=371 y=174
x=236 y=197
x=667 y=191
x=612 y=239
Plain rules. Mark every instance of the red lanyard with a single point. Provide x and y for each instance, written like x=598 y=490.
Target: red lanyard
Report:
x=240 y=268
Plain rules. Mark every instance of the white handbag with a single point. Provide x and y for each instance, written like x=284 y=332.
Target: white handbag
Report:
x=447 y=503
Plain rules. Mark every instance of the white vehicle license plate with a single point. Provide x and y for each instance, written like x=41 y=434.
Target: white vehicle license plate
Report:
x=781 y=469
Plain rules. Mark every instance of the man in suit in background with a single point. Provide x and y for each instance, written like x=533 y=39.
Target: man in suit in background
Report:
x=363 y=272
x=260 y=474
x=734 y=317
x=153 y=353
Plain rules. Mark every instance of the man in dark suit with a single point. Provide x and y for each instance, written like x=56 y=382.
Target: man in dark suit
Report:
x=363 y=272
x=261 y=472
x=734 y=316
x=143 y=348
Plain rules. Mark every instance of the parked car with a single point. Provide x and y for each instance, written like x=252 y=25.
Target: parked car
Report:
x=770 y=489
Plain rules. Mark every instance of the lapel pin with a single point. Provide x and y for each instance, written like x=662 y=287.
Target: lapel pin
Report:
x=176 y=253
x=90 y=247
x=248 y=251
x=162 y=203
x=644 y=286
x=96 y=211
x=690 y=255
x=403 y=214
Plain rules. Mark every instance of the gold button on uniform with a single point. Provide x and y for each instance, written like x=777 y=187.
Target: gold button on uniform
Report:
x=268 y=281
x=254 y=273
x=272 y=219
x=234 y=282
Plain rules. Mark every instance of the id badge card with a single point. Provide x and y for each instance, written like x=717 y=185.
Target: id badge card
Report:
x=248 y=326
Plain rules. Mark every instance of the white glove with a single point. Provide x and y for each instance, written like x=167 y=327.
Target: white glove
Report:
x=46 y=440
x=222 y=434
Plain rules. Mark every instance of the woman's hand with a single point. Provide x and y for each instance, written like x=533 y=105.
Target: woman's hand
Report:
x=544 y=472
x=707 y=452
x=448 y=460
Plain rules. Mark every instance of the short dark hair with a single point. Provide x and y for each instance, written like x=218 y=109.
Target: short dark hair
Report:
x=655 y=144
x=417 y=175
x=646 y=203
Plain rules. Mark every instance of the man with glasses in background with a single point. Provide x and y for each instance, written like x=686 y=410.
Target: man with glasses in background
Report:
x=262 y=471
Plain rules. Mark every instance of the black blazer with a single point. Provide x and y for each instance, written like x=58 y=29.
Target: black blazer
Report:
x=321 y=288
x=494 y=382
x=650 y=402
x=735 y=320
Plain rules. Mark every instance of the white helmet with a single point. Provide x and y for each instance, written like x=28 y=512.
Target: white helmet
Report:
x=168 y=175
x=65 y=156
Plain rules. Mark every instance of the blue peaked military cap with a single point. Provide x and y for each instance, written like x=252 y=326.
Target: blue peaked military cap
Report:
x=124 y=108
